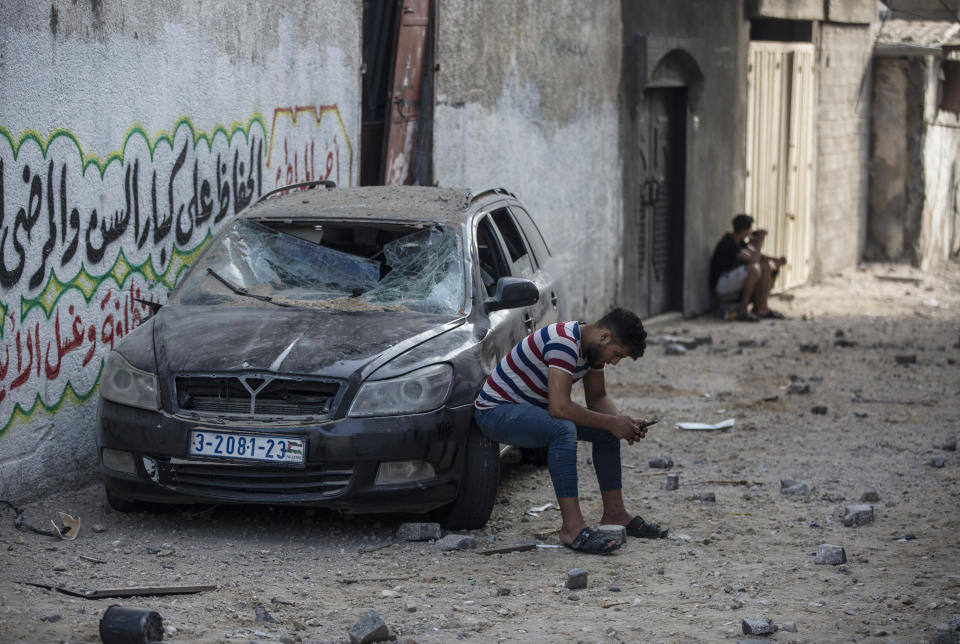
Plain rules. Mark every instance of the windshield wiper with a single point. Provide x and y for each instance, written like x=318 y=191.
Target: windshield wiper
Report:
x=239 y=290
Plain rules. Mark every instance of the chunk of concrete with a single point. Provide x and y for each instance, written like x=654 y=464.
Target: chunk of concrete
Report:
x=672 y=482
x=831 y=555
x=457 y=542
x=614 y=531
x=661 y=463
x=577 y=579
x=789 y=486
x=418 y=531
x=870 y=497
x=757 y=626
x=819 y=410
x=855 y=515
x=370 y=628
x=949 y=446
x=674 y=350
x=708 y=497
x=798 y=388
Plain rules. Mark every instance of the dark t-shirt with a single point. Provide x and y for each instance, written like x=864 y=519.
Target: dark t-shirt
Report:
x=724 y=258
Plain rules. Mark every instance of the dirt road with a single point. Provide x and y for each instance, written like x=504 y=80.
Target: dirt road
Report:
x=876 y=352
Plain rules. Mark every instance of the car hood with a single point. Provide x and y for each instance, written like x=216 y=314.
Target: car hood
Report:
x=287 y=340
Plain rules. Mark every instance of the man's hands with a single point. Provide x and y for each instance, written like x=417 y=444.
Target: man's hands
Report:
x=629 y=429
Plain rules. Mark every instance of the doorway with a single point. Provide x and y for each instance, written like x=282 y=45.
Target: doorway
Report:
x=661 y=149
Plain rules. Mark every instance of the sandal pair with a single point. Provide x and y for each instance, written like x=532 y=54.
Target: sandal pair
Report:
x=593 y=542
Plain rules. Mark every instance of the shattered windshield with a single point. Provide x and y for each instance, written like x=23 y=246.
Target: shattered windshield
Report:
x=335 y=266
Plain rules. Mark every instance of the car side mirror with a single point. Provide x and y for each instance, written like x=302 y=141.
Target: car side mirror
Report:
x=513 y=293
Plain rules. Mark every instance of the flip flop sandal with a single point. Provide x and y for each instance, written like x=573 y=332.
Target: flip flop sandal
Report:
x=593 y=542
x=772 y=315
x=645 y=530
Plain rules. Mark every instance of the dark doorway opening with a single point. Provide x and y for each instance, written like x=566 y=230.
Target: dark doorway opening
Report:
x=379 y=44
x=660 y=203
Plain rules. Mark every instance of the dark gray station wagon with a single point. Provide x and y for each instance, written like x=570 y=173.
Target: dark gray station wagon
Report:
x=325 y=350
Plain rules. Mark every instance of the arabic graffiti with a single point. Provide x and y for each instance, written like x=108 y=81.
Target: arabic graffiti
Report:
x=88 y=246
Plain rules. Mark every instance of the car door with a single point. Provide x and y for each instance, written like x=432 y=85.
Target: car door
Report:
x=552 y=305
x=506 y=326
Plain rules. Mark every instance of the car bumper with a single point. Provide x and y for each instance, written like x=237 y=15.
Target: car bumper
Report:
x=342 y=458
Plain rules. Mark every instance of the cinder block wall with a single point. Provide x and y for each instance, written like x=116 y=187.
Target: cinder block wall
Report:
x=129 y=132
x=843 y=111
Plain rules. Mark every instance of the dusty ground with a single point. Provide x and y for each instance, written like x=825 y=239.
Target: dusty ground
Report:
x=749 y=554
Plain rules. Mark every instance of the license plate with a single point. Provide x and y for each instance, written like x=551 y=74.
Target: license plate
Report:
x=250 y=447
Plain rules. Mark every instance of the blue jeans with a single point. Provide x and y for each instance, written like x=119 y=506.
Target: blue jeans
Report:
x=526 y=425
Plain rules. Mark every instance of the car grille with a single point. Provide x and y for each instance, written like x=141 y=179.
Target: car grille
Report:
x=256 y=395
x=254 y=482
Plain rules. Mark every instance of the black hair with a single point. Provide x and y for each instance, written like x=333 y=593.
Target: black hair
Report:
x=627 y=330
x=741 y=222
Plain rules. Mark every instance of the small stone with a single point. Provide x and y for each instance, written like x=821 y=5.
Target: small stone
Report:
x=906 y=359
x=661 y=463
x=457 y=542
x=811 y=347
x=819 y=410
x=831 y=555
x=791 y=487
x=790 y=627
x=298 y=625
x=870 y=497
x=53 y=617
x=757 y=626
x=264 y=616
x=59 y=567
x=843 y=342
x=411 y=607
x=856 y=515
x=950 y=445
x=674 y=350
x=576 y=579
x=746 y=344
x=502 y=591
x=672 y=482
x=98 y=528
x=418 y=531
x=370 y=628
x=798 y=388
x=936 y=461
x=708 y=497
x=616 y=532
x=574 y=597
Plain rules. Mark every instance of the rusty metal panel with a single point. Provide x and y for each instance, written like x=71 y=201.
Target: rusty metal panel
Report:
x=780 y=128
x=406 y=90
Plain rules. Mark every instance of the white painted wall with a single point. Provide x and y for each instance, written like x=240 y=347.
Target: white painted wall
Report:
x=527 y=99
x=107 y=108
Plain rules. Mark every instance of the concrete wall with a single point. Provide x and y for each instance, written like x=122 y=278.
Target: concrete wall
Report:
x=842 y=113
x=714 y=36
x=526 y=98
x=128 y=133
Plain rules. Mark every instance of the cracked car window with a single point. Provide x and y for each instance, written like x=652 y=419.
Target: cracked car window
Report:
x=417 y=269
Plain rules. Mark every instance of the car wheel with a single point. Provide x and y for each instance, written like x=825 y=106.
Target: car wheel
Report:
x=534 y=455
x=121 y=504
x=478 y=484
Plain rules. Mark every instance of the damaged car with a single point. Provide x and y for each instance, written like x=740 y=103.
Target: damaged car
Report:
x=325 y=350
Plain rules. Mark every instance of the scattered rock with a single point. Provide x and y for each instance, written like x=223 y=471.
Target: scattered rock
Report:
x=370 y=628
x=856 y=515
x=861 y=414
x=870 y=497
x=788 y=486
x=672 y=482
x=674 y=350
x=457 y=542
x=617 y=532
x=746 y=344
x=811 y=347
x=53 y=617
x=798 y=388
x=790 y=627
x=662 y=463
x=936 y=461
x=98 y=528
x=264 y=616
x=576 y=579
x=950 y=445
x=831 y=555
x=819 y=410
x=418 y=531
x=906 y=359
x=708 y=497
x=843 y=342
x=757 y=626
x=503 y=591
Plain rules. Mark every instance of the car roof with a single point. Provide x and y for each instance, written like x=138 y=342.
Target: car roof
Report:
x=376 y=203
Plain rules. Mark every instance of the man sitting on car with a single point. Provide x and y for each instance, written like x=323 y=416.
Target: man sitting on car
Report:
x=526 y=402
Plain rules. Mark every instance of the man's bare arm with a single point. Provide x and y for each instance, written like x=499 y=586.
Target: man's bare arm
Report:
x=559 y=386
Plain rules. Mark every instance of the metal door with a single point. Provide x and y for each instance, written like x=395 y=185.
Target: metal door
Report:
x=662 y=146
x=779 y=185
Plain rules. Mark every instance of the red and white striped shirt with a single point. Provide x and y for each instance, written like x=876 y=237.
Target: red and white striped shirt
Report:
x=521 y=376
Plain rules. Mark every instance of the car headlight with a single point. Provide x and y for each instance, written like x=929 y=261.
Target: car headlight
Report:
x=417 y=391
x=125 y=384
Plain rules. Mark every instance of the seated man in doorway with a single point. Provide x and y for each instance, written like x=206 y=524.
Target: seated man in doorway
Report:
x=526 y=402
x=739 y=265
